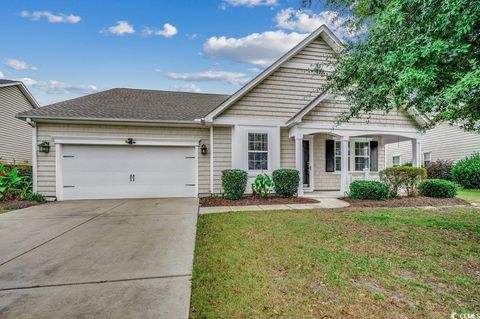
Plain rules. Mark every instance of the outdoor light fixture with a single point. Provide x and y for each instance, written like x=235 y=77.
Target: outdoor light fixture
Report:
x=44 y=147
x=203 y=148
x=130 y=141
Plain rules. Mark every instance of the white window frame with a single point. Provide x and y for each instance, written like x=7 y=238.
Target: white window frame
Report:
x=339 y=156
x=258 y=151
x=355 y=156
x=351 y=159
x=399 y=160
x=429 y=160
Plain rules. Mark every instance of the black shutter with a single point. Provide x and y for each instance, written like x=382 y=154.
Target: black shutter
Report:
x=329 y=155
x=373 y=156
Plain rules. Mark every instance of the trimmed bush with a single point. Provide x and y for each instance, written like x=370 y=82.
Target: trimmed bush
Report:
x=438 y=188
x=234 y=182
x=403 y=178
x=467 y=172
x=440 y=169
x=368 y=190
x=286 y=181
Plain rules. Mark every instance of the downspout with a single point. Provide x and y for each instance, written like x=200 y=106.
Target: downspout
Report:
x=211 y=159
x=34 y=153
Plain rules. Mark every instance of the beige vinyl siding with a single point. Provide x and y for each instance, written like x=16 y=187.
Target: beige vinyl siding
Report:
x=46 y=162
x=287 y=150
x=323 y=180
x=444 y=142
x=287 y=90
x=329 y=111
x=222 y=155
x=15 y=134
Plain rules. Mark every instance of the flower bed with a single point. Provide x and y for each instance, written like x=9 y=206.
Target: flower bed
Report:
x=251 y=200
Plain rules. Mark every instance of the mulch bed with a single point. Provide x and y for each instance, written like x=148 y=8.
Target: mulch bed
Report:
x=17 y=204
x=251 y=200
x=418 y=201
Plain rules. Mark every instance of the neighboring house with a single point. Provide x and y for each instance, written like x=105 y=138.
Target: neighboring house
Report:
x=15 y=135
x=126 y=143
x=444 y=142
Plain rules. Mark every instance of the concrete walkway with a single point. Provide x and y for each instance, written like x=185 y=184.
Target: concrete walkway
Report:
x=323 y=203
x=98 y=259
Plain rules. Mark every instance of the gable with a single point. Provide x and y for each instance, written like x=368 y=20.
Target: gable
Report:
x=288 y=89
x=329 y=110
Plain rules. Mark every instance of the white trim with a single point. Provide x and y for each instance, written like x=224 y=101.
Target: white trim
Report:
x=310 y=106
x=34 y=158
x=399 y=160
x=196 y=172
x=58 y=172
x=101 y=140
x=323 y=31
x=211 y=160
x=247 y=121
x=299 y=161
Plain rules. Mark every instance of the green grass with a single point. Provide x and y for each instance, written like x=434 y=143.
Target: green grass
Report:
x=384 y=263
x=471 y=195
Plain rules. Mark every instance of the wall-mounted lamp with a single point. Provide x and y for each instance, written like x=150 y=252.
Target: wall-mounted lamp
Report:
x=203 y=149
x=130 y=141
x=44 y=147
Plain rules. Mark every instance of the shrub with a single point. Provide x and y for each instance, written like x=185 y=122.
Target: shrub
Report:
x=262 y=185
x=35 y=197
x=467 y=172
x=437 y=188
x=234 y=182
x=9 y=183
x=440 y=169
x=403 y=178
x=286 y=181
x=368 y=190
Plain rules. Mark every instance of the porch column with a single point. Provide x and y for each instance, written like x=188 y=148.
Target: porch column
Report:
x=299 y=161
x=416 y=153
x=344 y=180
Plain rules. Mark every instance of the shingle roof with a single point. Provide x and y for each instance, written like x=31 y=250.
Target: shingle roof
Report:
x=131 y=105
x=5 y=81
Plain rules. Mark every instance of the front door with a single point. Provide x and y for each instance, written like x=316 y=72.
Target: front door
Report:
x=306 y=163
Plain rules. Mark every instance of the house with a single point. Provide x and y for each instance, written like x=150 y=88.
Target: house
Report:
x=126 y=143
x=443 y=142
x=15 y=135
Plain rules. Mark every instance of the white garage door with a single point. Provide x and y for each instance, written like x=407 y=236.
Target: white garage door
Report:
x=97 y=172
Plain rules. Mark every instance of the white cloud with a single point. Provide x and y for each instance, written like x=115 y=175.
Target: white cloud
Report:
x=52 y=18
x=19 y=65
x=308 y=21
x=229 y=77
x=260 y=49
x=167 y=31
x=58 y=87
x=248 y=3
x=1 y=75
x=254 y=69
x=189 y=87
x=121 y=28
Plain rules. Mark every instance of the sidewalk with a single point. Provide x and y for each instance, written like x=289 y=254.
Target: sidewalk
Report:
x=323 y=203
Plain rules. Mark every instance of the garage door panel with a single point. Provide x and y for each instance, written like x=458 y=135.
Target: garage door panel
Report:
x=94 y=172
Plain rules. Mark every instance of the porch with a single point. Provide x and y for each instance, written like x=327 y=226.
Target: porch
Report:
x=329 y=160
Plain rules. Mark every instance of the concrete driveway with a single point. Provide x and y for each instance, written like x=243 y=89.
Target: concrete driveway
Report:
x=98 y=259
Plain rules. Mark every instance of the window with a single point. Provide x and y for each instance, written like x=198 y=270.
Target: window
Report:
x=338 y=156
x=427 y=158
x=362 y=155
x=257 y=151
x=396 y=160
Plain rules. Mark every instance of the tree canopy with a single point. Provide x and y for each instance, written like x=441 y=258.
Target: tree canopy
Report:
x=415 y=55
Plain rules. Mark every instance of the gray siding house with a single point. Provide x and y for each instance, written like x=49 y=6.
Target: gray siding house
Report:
x=444 y=142
x=15 y=135
x=128 y=143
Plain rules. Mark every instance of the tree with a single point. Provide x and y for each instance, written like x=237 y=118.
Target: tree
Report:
x=415 y=55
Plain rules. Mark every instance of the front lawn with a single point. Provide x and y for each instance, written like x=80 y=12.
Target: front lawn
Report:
x=363 y=263
x=471 y=195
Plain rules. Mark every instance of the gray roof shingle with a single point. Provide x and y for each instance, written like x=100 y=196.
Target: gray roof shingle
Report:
x=5 y=81
x=132 y=105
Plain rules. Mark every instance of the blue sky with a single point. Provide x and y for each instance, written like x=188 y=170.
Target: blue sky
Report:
x=65 y=49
